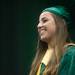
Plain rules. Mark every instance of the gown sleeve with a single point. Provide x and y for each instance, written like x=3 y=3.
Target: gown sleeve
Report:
x=67 y=64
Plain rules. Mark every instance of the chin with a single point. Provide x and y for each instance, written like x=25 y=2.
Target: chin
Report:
x=44 y=39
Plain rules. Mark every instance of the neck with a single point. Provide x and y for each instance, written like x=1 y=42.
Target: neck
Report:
x=55 y=52
x=49 y=45
x=47 y=57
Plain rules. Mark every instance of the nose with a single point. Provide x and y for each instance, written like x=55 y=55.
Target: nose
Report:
x=39 y=25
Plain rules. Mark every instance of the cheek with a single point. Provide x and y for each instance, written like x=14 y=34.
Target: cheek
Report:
x=51 y=29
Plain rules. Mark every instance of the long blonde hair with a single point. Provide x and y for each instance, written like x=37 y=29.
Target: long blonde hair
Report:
x=57 y=43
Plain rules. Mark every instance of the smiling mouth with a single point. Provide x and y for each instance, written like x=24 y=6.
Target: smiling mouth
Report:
x=42 y=29
x=42 y=32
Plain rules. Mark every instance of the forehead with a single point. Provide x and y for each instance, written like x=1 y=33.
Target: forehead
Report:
x=45 y=14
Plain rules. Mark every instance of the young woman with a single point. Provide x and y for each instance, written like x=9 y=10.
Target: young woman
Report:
x=55 y=53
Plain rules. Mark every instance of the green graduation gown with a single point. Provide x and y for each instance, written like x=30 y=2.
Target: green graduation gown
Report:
x=67 y=64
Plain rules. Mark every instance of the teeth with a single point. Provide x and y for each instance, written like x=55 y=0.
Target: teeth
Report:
x=42 y=31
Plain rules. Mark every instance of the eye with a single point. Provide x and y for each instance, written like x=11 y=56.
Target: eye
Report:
x=44 y=20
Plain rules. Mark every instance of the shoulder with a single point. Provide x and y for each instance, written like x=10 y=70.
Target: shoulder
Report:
x=68 y=54
x=70 y=49
x=66 y=66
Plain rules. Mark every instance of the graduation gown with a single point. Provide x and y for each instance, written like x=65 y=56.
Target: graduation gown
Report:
x=67 y=64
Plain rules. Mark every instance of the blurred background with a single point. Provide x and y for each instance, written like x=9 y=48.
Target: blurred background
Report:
x=19 y=19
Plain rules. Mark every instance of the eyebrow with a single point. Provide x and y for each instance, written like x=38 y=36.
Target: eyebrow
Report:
x=43 y=18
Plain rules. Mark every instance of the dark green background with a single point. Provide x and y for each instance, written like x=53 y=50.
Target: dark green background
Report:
x=19 y=33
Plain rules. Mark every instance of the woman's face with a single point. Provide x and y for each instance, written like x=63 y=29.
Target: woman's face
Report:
x=46 y=26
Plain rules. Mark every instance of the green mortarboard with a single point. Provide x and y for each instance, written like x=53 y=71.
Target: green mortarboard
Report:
x=59 y=11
